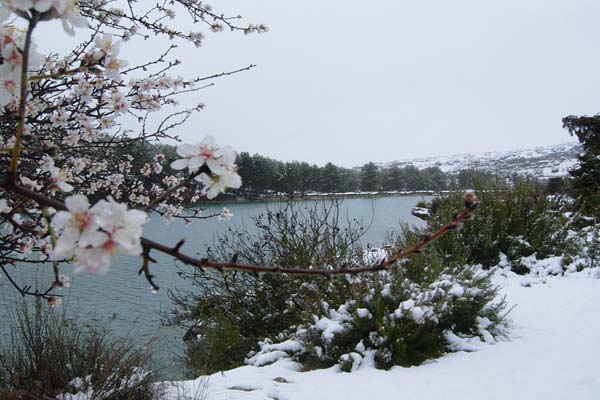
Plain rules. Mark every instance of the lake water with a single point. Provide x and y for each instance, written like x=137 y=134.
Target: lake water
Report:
x=125 y=298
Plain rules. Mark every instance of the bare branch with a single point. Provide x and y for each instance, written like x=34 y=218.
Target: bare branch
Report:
x=202 y=263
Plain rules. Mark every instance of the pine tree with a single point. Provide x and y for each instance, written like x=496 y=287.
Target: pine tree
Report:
x=369 y=178
x=330 y=178
x=586 y=177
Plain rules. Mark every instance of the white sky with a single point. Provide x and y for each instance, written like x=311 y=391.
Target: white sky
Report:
x=351 y=82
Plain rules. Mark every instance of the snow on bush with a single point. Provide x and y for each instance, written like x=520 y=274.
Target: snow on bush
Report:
x=581 y=251
x=395 y=322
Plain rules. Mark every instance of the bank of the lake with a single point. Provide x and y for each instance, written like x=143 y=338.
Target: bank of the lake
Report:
x=281 y=197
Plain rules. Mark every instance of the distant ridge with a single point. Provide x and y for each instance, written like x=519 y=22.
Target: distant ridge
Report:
x=541 y=162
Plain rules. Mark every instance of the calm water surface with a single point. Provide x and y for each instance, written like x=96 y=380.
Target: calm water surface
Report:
x=126 y=299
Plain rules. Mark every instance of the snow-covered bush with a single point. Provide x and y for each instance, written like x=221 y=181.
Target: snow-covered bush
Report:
x=396 y=321
x=395 y=317
x=515 y=220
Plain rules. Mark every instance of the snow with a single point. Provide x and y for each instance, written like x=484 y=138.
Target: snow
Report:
x=420 y=212
x=550 y=265
x=458 y=343
x=456 y=290
x=271 y=352
x=363 y=313
x=267 y=358
x=551 y=353
x=375 y=255
x=329 y=327
x=417 y=314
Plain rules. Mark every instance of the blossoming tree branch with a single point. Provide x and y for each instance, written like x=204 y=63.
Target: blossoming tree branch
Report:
x=67 y=138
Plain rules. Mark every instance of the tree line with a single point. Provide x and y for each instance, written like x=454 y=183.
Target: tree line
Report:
x=263 y=175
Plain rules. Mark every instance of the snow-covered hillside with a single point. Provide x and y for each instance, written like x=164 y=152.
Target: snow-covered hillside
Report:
x=541 y=162
x=551 y=354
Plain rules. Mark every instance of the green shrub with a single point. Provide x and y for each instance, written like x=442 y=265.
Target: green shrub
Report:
x=585 y=182
x=395 y=321
x=229 y=314
x=516 y=219
x=48 y=355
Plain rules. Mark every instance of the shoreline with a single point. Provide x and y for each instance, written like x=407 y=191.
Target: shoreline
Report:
x=328 y=196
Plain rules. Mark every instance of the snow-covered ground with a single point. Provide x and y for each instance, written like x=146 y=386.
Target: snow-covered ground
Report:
x=552 y=352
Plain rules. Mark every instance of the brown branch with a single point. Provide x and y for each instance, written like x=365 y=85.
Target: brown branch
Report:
x=145 y=267
x=219 y=75
x=33 y=149
x=384 y=265
x=14 y=161
x=202 y=263
x=59 y=74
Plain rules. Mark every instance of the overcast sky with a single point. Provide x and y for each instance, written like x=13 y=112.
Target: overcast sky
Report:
x=351 y=82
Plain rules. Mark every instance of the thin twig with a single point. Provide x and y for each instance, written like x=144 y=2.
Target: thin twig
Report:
x=26 y=290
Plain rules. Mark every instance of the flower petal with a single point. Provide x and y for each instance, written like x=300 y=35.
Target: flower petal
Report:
x=77 y=203
x=216 y=167
x=180 y=164
x=195 y=163
x=187 y=150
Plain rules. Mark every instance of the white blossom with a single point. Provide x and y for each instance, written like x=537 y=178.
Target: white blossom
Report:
x=30 y=183
x=119 y=102
x=85 y=90
x=220 y=162
x=196 y=38
x=59 y=118
x=107 y=44
x=218 y=183
x=58 y=179
x=122 y=226
x=225 y=215
x=112 y=66
x=91 y=235
x=4 y=207
x=195 y=156
x=105 y=52
x=12 y=43
x=78 y=165
x=77 y=226
x=225 y=177
x=66 y=10
x=46 y=162
x=72 y=138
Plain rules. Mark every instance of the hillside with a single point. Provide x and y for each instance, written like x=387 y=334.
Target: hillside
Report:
x=541 y=162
